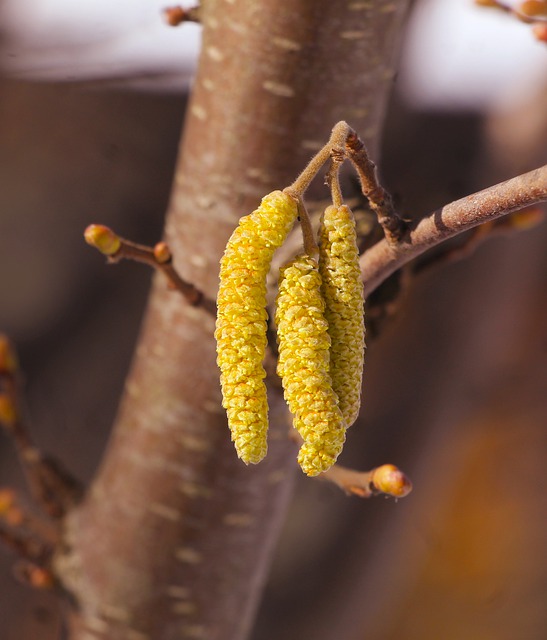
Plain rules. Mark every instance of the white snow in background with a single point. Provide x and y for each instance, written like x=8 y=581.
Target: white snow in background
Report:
x=456 y=55
x=96 y=39
x=461 y=56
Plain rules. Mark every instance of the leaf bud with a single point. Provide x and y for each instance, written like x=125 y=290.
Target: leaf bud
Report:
x=103 y=239
x=391 y=480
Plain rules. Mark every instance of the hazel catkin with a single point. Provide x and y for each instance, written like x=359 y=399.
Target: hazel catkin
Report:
x=303 y=365
x=342 y=289
x=241 y=320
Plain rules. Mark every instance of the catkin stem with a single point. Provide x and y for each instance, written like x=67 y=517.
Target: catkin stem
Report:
x=333 y=179
x=309 y=241
x=338 y=137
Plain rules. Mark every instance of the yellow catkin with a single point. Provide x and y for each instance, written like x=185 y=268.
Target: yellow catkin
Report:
x=303 y=366
x=342 y=290
x=241 y=320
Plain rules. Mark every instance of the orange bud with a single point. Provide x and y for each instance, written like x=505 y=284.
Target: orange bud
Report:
x=8 y=411
x=40 y=578
x=7 y=498
x=388 y=479
x=526 y=218
x=533 y=8
x=486 y=3
x=540 y=32
x=162 y=253
x=35 y=576
x=8 y=359
x=174 y=16
x=103 y=239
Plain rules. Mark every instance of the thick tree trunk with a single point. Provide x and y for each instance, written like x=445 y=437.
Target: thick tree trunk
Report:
x=174 y=537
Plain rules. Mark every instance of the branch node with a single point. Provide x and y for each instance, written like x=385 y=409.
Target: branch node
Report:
x=158 y=257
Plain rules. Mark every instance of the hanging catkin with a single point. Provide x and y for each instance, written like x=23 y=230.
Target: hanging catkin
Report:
x=342 y=290
x=241 y=320
x=303 y=366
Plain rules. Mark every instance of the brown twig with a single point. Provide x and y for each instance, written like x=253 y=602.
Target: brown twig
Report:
x=54 y=489
x=177 y=15
x=532 y=12
x=386 y=480
x=381 y=260
x=518 y=221
x=25 y=545
x=158 y=257
x=379 y=199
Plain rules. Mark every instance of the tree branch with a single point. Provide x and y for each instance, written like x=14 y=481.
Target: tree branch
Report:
x=384 y=258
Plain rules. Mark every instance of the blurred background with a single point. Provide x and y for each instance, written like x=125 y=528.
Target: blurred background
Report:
x=91 y=107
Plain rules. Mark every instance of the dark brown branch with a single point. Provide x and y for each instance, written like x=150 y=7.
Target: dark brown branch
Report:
x=379 y=199
x=53 y=487
x=381 y=260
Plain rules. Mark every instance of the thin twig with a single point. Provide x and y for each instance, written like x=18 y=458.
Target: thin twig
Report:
x=532 y=12
x=159 y=257
x=54 y=488
x=24 y=545
x=518 y=221
x=381 y=260
x=379 y=199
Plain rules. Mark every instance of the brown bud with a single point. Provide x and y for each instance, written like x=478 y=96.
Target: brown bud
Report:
x=8 y=411
x=34 y=576
x=103 y=239
x=174 y=16
x=162 y=253
x=391 y=480
x=8 y=359
x=540 y=32
x=7 y=498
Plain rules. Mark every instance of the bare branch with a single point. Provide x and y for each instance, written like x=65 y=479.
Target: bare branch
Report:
x=53 y=487
x=159 y=257
x=384 y=258
x=379 y=199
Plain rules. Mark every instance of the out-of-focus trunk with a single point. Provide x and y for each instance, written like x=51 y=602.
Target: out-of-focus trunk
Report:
x=175 y=535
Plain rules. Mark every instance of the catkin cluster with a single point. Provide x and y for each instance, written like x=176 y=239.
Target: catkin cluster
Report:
x=304 y=343
x=241 y=320
x=342 y=289
x=320 y=329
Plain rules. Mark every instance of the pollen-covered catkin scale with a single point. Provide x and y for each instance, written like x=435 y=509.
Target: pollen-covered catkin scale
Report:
x=241 y=320
x=303 y=366
x=342 y=290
